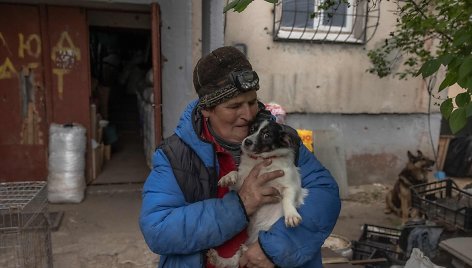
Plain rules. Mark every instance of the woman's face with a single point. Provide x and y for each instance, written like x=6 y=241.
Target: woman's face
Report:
x=230 y=120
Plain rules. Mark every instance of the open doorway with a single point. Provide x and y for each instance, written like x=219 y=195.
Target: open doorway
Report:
x=121 y=63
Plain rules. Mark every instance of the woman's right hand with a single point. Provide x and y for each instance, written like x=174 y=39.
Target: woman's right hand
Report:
x=255 y=191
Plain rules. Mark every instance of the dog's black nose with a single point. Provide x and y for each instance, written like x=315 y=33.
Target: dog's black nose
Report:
x=248 y=142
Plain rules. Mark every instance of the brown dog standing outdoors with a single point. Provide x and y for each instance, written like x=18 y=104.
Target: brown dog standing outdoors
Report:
x=398 y=199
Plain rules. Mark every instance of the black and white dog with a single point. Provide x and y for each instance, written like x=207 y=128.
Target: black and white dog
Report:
x=266 y=140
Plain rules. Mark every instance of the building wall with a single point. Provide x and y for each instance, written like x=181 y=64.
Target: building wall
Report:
x=375 y=145
x=177 y=43
x=326 y=86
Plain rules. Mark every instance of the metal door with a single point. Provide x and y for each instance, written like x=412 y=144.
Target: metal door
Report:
x=44 y=63
x=70 y=67
x=23 y=122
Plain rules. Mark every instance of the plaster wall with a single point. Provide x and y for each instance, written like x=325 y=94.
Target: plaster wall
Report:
x=325 y=86
x=375 y=146
x=322 y=78
x=177 y=61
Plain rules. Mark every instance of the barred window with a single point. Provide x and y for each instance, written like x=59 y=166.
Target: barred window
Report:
x=341 y=22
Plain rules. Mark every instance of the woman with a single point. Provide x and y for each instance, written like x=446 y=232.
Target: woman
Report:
x=184 y=213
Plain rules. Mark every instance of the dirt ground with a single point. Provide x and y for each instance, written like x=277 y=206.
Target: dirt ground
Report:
x=103 y=230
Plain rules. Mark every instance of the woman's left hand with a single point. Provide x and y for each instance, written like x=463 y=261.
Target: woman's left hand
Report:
x=255 y=257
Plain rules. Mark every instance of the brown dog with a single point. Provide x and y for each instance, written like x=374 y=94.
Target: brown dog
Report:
x=398 y=199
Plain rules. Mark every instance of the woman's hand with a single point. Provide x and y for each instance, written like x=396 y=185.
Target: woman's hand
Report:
x=255 y=257
x=255 y=192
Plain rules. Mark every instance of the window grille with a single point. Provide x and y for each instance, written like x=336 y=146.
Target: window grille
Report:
x=304 y=20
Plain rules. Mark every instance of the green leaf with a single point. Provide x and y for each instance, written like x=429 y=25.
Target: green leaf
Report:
x=457 y=120
x=429 y=68
x=468 y=109
x=230 y=5
x=468 y=83
x=462 y=99
x=446 y=108
x=463 y=81
x=461 y=39
x=272 y=1
x=237 y=5
x=466 y=67
x=449 y=80
x=446 y=59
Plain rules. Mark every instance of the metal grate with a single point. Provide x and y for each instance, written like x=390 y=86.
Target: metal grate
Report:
x=303 y=20
x=25 y=237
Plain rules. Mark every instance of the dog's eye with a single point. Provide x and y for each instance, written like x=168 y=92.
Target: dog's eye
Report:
x=265 y=135
x=252 y=129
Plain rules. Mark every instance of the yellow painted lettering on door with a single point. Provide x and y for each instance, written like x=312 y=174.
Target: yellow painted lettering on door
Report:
x=2 y=39
x=64 y=44
x=7 y=70
x=32 y=45
x=60 y=80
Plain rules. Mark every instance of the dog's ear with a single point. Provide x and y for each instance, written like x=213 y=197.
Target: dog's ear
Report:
x=286 y=139
x=420 y=154
x=411 y=157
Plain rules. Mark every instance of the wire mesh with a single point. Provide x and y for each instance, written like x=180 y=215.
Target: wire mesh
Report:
x=25 y=237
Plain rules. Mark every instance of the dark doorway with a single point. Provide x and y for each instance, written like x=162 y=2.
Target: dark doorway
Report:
x=120 y=63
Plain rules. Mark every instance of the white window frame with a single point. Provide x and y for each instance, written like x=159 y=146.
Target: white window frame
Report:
x=322 y=32
x=317 y=21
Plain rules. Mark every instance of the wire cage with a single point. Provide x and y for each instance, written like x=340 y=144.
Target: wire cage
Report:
x=25 y=236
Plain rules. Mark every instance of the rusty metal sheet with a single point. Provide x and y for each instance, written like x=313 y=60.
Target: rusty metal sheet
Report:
x=70 y=67
x=23 y=126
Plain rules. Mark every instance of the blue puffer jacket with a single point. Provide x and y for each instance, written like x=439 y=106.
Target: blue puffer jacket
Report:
x=182 y=232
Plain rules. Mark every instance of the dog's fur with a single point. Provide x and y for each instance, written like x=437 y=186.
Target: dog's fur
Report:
x=398 y=199
x=266 y=140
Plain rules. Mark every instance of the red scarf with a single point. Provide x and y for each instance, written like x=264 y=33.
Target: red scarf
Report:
x=226 y=163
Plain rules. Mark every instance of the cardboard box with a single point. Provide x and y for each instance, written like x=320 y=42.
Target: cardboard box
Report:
x=107 y=152
x=97 y=161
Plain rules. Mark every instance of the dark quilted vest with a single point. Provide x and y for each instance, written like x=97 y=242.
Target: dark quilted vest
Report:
x=196 y=181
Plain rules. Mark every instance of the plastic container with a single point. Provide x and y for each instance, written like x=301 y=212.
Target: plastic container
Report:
x=445 y=203
x=379 y=242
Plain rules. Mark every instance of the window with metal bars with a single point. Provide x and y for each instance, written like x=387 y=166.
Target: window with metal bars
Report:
x=342 y=22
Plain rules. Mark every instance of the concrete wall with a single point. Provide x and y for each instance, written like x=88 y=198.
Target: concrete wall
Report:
x=326 y=86
x=375 y=146
x=177 y=44
x=321 y=78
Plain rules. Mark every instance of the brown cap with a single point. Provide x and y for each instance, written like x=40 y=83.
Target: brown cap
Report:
x=212 y=72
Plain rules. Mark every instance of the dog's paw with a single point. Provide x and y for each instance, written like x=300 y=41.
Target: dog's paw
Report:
x=212 y=256
x=220 y=262
x=293 y=219
x=229 y=179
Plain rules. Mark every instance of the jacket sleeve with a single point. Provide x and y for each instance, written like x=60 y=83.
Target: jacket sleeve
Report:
x=170 y=225
x=292 y=247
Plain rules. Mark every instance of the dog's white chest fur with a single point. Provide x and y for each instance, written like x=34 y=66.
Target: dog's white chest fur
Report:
x=269 y=141
x=288 y=185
